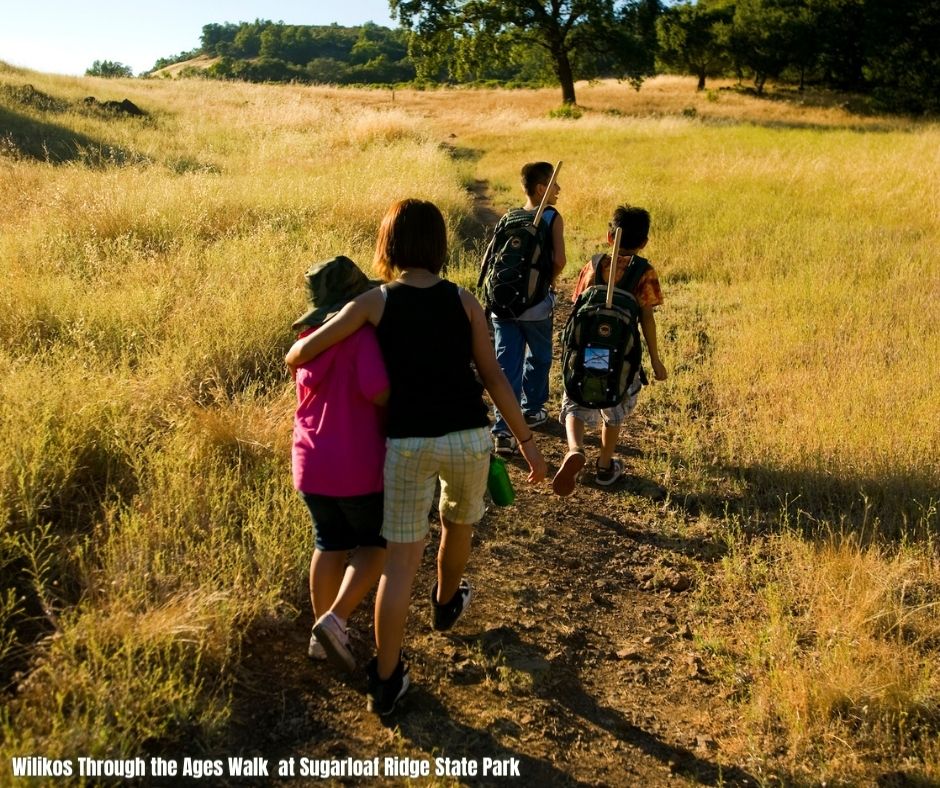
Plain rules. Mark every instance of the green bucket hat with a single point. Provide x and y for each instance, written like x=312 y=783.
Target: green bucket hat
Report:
x=330 y=286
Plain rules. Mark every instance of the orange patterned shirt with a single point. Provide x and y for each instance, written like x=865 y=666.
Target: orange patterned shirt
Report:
x=646 y=292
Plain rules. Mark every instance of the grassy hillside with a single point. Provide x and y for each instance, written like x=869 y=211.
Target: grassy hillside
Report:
x=153 y=267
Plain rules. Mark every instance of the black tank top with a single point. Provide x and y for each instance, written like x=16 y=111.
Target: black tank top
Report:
x=424 y=335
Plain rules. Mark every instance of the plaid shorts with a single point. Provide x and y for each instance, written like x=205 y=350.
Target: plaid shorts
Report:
x=613 y=417
x=412 y=467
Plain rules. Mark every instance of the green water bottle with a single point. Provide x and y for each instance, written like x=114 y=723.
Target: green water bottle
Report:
x=498 y=482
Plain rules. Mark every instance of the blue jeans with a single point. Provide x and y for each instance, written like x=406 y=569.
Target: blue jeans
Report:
x=524 y=352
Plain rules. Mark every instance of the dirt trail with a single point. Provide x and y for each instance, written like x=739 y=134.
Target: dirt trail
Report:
x=576 y=656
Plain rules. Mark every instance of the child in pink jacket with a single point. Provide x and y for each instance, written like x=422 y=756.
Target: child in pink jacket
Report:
x=338 y=456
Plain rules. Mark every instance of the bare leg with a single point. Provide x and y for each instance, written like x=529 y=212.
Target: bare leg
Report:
x=362 y=574
x=402 y=560
x=452 y=557
x=567 y=477
x=574 y=431
x=326 y=576
x=609 y=436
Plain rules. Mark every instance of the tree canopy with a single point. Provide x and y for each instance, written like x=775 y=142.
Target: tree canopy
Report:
x=885 y=48
x=581 y=37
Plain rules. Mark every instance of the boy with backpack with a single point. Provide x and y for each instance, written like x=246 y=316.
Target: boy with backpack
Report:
x=637 y=286
x=532 y=256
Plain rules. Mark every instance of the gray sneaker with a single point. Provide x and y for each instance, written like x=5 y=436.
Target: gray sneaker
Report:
x=505 y=445
x=536 y=419
x=444 y=616
x=315 y=648
x=607 y=476
x=383 y=695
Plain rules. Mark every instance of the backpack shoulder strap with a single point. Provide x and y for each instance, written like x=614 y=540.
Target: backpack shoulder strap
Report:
x=596 y=261
x=634 y=273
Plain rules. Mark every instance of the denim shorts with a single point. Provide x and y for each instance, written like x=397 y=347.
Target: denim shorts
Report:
x=412 y=467
x=345 y=523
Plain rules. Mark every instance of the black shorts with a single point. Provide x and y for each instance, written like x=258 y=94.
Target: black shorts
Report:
x=345 y=523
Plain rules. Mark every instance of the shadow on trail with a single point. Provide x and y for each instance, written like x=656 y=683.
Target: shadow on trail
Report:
x=429 y=726
x=555 y=680
x=694 y=547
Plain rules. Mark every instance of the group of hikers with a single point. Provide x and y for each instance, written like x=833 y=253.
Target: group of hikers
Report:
x=390 y=378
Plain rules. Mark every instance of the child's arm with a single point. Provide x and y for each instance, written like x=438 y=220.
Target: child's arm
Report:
x=498 y=387
x=648 y=324
x=559 y=260
x=366 y=308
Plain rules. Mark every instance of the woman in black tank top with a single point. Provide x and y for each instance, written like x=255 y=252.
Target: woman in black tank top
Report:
x=432 y=334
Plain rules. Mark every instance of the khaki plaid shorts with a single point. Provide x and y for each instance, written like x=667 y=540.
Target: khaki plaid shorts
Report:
x=412 y=468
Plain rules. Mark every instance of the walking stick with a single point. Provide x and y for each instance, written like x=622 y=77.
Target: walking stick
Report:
x=551 y=182
x=612 y=274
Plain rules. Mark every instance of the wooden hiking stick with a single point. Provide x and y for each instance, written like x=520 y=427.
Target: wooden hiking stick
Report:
x=551 y=181
x=612 y=274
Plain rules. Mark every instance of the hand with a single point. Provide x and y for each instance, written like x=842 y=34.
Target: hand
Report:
x=537 y=467
x=659 y=370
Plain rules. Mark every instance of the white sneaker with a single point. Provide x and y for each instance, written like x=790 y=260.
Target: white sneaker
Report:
x=335 y=641
x=315 y=648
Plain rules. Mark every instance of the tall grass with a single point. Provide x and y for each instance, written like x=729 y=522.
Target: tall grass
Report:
x=153 y=267
x=148 y=517
x=801 y=291
x=801 y=423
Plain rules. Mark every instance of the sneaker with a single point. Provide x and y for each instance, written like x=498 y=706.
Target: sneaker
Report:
x=607 y=476
x=567 y=477
x=443 y=617
x=536 y=419
x=334 y=640
x=505 y=445
x=383 y=695
x=315 y=648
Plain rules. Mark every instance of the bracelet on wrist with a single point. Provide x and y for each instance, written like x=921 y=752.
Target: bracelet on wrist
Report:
x=531 y=437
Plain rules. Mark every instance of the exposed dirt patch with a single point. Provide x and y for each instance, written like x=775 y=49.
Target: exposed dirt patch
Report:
x=576 y=657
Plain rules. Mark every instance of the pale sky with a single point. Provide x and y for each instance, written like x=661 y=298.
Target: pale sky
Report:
x=67 y=36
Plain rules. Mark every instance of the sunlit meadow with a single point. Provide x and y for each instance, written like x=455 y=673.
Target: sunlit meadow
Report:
x=153 y=267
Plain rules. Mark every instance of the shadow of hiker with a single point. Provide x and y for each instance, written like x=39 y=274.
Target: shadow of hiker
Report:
x=680 y=760
x=555 y=682
x=695 y=547
x=429 y=726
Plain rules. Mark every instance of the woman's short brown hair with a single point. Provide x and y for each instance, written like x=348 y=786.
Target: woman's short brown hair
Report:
x=413 y=234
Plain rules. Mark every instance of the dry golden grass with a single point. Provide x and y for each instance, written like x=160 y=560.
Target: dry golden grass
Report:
x=144 y=409
x=836 y=667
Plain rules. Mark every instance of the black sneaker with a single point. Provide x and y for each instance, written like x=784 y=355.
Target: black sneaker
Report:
x=607 y=476
x=505 y=445
x=536 y=419
x=383 y=695
x=443 y=617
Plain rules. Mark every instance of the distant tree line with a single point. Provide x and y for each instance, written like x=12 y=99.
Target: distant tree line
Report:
x=884 y=48
x=265 y=51
x=108 y=68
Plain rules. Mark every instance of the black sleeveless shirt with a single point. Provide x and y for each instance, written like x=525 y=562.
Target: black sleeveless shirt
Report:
x=424 y=335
